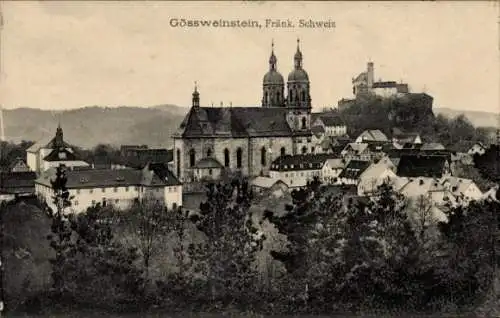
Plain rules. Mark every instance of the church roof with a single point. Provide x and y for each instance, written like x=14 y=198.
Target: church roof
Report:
x=273 y=77
x=47 y=142
x=236 y=122
x=298 y=75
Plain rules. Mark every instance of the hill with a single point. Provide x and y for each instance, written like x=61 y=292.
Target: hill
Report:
x=477 y=118
x=89 y=126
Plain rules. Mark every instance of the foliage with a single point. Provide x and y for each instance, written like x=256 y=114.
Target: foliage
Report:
x=11 y=151
x=224 y=262
x=488 y=164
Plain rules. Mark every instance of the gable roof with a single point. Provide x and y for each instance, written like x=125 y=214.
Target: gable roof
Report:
x=236 y=122
x=138 y=158
x=421 y=166
x=358 y=148
x=300 y=162
x=164 y=174
x=354 y=169
x=373 y=135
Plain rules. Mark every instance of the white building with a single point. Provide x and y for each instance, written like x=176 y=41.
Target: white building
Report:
x=478 y=148
x=376 y=175
x=46 y=154
x=297 y=170
x=374 y=135
x=352 y=172
x=332 y=124
x=119 y=188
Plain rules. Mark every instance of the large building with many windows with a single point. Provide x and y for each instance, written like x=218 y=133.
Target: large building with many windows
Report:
x=247 y=140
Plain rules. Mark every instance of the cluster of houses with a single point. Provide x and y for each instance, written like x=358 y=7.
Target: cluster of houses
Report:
x=361 y=164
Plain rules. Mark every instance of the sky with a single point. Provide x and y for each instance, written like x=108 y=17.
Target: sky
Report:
x=62 y=55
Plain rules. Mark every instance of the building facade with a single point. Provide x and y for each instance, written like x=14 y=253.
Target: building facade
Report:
x=246 y=140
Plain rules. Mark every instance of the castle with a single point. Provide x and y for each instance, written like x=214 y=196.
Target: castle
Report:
x=364 y=84
x=246 y=140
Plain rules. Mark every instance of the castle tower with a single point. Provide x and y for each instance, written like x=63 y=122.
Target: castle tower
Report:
x=196 y=96
x=273 y=84
x=370 y=75
x=298 y=84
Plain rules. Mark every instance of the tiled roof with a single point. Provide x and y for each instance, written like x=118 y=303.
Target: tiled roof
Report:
x=421 y=166
x=336 y=163
x=388 y=84
x=357 y=148
x=373 y=135
x=331 y=120
x=318 y=130
x=236 y=122
x=264 y=182
x=300 y=162
x=17 y=182
x=354 y=169
x=161 y=170
x=62 y=154
x=397 y=153
x=152 y=175
x=207 y=163
x=138 y=158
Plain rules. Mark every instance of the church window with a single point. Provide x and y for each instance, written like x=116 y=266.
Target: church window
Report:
x=303 y=96
x=239 y=156
x=226 y=157
x=304 y=149
x=209 y=152
x=192 y=157
x=178 y=162
x=265 y=97
x=283 y=151
x=278 y=95
x=263 y=156
x=304 y=123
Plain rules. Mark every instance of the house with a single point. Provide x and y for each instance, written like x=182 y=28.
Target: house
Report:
x=431 y=166
x=478 y=148
x=46 y=154
x=117 y=187
x=356 y=151
x=406 y=139
x=16 y=184
x=62 y=156
x=491 y=194
x=465 y=190
x=19 y=165
x=297 y=170
x=423 y=187
x=263 y=184
x=331 y=123
x=372 y=135
x=376 y=175
x=351 y=173
x=208 y=169
x=331 y=170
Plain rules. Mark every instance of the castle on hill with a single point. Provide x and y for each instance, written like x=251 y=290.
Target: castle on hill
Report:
x=364 y=84
x=246 y=140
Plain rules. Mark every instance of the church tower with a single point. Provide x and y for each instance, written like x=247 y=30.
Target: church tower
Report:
x=196 y=96
x=273 y=84
x=299 y=98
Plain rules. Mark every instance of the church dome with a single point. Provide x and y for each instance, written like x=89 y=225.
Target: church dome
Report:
x=273 y=77
x=298 y=75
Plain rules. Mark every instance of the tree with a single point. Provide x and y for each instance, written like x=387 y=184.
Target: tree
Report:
x=60 y=238
x=226 y=260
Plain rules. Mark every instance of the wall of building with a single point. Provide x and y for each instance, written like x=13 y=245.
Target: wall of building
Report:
x=31 y=160
x=54 y=164
x=173 y=196
x=273 y=151
x=295 y=178
x=385 y=91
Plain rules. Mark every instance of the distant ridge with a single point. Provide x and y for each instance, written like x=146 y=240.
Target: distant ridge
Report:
x=477 y=118
x=88 y=126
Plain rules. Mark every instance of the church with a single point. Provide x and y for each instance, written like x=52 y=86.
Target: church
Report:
x=246 y=140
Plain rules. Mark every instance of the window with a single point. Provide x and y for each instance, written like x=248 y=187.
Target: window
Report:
x=210 y=171
x=286 y=175
x=304 y=150
x=174 y=205
x=192 y=158
x=76 y=202
x=209 y=152
x=278 y=95
x=239 y=157
x=303 y=96
x=157 y=190
x=226 y=157
x=283 y=151
x=178 y=162
x=103 y=190
x=301 y=174
x=126 y=189
x=77 y=191
x=115 y=189
x=117 y=201
x=136 y=188
x=91 y=191
x=313 y=149
x=263 y=156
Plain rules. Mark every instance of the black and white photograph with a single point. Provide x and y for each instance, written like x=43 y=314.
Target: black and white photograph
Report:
x=249 y=159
